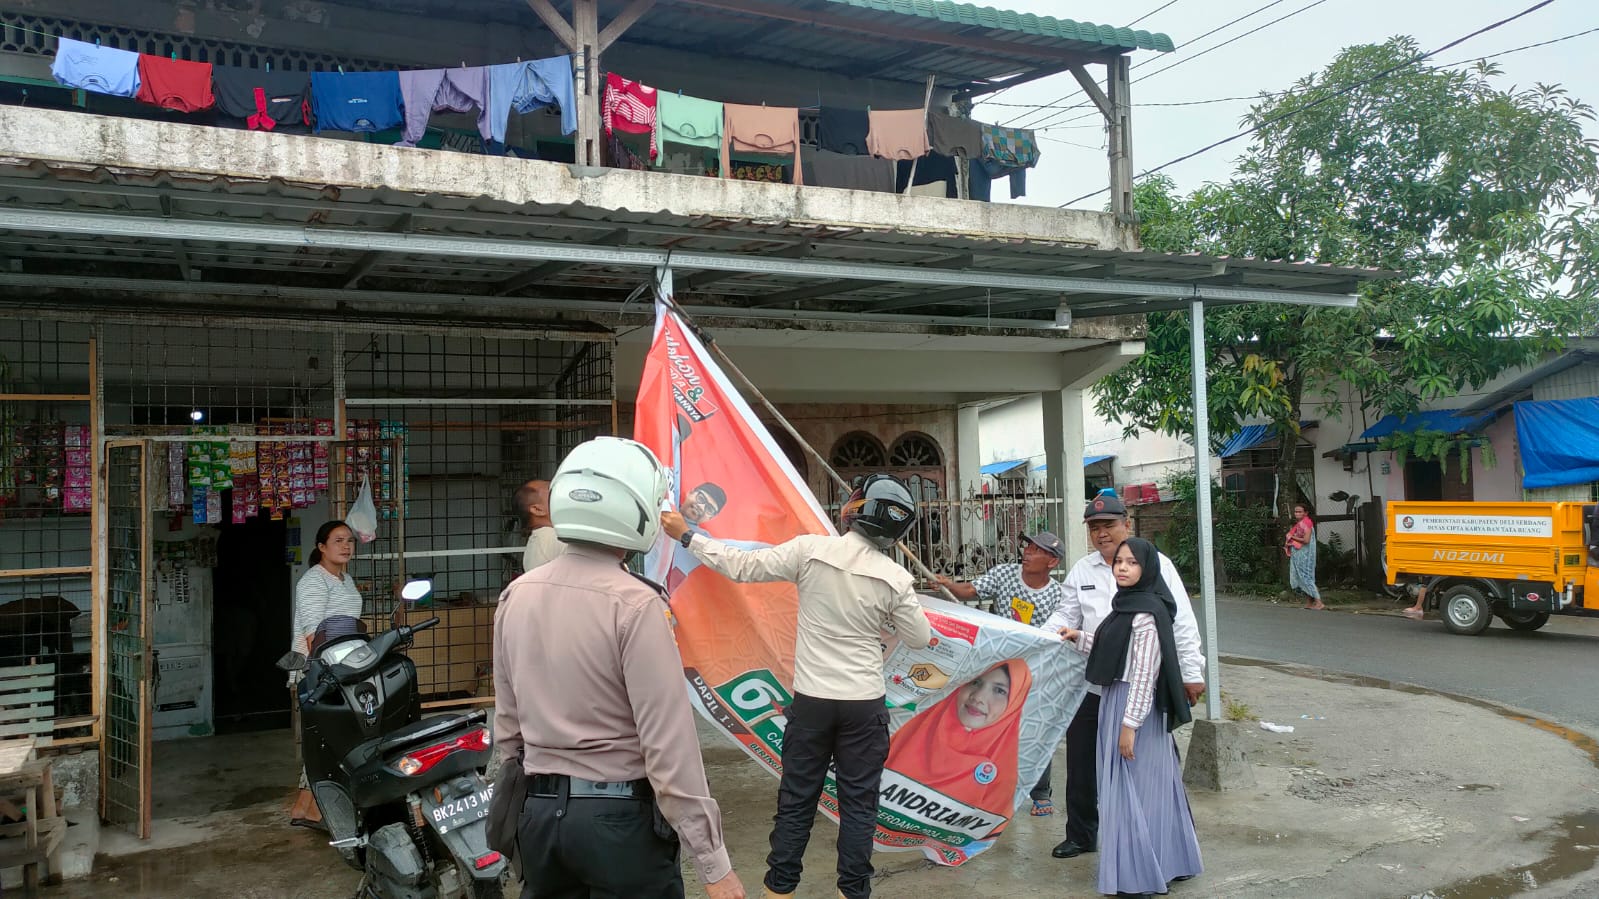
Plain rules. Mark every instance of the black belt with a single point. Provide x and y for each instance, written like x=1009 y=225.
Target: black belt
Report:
x=552 y=785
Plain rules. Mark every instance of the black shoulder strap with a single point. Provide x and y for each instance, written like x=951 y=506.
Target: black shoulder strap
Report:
x=659 y=590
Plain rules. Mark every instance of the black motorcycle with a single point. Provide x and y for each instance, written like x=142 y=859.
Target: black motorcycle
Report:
x=403 y=797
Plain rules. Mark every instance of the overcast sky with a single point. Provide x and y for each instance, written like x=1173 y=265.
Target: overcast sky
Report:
x=1270 y=60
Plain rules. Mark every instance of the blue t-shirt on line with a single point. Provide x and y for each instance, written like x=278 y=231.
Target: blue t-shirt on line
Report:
x=91 y=67
x=357 y=101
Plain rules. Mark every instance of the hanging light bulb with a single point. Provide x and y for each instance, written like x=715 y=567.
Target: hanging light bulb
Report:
x=196 y=416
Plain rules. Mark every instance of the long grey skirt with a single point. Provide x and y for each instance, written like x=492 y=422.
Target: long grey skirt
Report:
x=1146 y=830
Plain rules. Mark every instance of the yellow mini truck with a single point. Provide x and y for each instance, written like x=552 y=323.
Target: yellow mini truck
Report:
x=1521 y=562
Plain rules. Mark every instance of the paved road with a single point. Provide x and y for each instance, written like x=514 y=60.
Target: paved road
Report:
x=1549 y=671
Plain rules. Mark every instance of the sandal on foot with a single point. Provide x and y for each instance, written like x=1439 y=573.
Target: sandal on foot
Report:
x=1042 y=808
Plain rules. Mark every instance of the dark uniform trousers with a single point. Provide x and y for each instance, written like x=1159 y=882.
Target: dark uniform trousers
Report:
x=852 y=735
x=1082 y=777
x=595 y=848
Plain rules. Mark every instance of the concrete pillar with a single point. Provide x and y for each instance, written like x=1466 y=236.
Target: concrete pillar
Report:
x=1217 y=757
x=1063 y=455
x=968 y=450
x=968 y=469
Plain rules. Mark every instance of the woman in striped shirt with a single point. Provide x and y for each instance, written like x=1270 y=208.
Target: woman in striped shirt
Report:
x=1146 y=834
x=326 y=590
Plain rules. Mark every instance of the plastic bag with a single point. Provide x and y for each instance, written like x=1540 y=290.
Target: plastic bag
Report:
x=363 y=517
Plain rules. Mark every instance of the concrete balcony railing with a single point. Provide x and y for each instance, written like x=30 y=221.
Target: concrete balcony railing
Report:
x=145 y=148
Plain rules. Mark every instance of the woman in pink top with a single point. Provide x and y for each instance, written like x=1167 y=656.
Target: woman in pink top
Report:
x=1300 y=547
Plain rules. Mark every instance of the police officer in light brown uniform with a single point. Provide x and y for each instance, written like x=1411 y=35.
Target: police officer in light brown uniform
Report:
x=589 y=690
x=849 y=590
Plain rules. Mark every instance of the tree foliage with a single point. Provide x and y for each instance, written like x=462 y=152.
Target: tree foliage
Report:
x=1475 y=196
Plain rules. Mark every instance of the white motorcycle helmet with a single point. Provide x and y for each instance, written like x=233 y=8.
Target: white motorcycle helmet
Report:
x=609 y=491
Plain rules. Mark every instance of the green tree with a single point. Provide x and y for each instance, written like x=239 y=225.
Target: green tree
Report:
x=1475 y=196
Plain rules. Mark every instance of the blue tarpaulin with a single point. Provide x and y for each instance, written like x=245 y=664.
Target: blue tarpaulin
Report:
x=1248 y=438
x=1251 y=436
x=1447 y=421
x=1087 y=461
x=1002 y=467
x=1559 y=442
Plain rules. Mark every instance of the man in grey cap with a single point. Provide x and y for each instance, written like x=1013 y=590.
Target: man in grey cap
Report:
x=1023 y=591
x=1090 y=586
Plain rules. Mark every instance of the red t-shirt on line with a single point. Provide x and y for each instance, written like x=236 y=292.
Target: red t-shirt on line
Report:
x=175 y=84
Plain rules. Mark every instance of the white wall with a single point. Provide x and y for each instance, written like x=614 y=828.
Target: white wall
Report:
x=1015 y=430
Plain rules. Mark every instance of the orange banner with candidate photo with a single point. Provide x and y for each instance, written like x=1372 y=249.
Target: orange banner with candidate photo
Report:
x=974 y=718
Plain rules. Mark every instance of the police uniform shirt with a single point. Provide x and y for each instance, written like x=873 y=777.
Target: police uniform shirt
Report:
x=1090 y=587
x=848 y=590
x=588 y=682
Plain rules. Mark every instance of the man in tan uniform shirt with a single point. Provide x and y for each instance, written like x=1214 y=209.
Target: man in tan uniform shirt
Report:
x=589 y=690
x=533 y=499
x=849 y=591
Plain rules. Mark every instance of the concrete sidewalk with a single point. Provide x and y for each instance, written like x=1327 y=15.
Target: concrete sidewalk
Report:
x=1378 y=792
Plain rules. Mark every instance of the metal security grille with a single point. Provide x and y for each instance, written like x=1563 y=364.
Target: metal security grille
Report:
x=166 y=380
x=46 y=523
x=125 y=771
x=964 y=536
x=27 y=34
x=465 y=420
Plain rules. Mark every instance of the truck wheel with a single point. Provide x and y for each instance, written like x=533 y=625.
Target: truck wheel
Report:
x=1524 y=621
x=1466 y=610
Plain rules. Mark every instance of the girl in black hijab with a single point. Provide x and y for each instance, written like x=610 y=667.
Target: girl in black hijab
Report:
x=1146 y=833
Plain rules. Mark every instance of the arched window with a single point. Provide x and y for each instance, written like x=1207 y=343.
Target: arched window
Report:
x=858 y=449
x=914 y=449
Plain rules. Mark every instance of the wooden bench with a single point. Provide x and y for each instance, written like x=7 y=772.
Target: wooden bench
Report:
x=36 y=839
x=27 y=788
x=28 y=702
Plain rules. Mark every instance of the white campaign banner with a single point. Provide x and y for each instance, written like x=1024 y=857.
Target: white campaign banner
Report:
x=974 y=718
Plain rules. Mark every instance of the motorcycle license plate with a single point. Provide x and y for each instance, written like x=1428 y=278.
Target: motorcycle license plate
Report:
x=453 y=814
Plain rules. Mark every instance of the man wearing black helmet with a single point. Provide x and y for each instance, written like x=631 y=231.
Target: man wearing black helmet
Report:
x=848 y=591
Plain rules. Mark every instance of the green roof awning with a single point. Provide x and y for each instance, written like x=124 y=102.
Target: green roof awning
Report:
x=1104 y=37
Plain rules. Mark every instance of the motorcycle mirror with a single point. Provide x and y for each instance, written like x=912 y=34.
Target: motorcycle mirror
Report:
x=292 y=661
x=416 y=591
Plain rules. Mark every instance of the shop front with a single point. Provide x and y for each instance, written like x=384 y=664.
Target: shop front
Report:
x=225 y=446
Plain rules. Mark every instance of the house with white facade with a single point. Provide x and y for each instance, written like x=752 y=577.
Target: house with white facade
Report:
x=258 y=257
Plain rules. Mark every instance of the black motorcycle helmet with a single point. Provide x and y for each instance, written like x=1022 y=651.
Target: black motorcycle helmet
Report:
x=880 y=509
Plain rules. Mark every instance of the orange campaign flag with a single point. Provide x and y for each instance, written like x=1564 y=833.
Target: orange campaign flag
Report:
x=952 y=782
x=731 y=481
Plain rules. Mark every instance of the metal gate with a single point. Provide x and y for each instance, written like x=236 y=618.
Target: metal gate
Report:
x=125 y=738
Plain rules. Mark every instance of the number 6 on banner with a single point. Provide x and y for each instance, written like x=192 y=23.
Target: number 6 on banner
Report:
x=757 y=695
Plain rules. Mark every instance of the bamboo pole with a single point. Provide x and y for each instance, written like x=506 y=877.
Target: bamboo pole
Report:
x=731 y=368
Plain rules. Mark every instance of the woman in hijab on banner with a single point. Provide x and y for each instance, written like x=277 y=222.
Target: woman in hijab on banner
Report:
x=1146 y=837
x=966 y=746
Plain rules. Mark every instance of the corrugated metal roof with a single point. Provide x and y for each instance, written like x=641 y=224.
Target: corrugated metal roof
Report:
x=961 y=44
x=968 y=14
x=180 y=196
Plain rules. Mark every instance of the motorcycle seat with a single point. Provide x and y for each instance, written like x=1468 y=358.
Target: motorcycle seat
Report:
x=428 y=728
